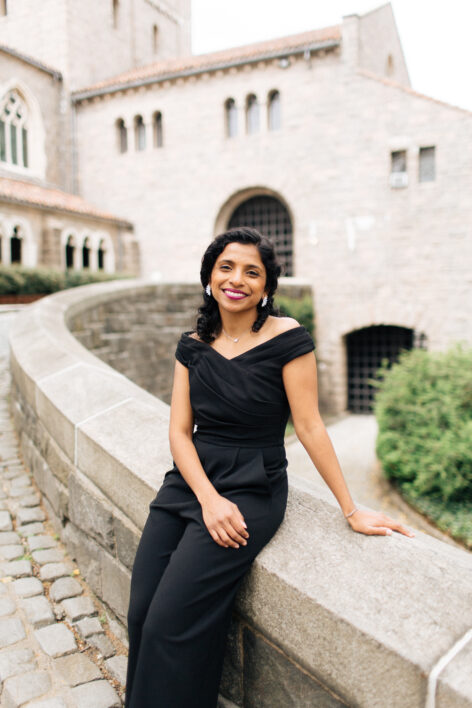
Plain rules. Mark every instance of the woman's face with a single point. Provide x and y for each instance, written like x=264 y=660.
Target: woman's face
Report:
x=238 y=277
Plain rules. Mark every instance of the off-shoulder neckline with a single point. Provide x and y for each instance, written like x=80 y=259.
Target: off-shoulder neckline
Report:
x=238 y=356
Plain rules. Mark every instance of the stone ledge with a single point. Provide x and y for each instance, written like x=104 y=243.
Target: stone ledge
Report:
x=367 y=618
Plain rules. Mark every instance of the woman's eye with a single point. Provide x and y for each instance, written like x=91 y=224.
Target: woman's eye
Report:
x=223 y=267
x=253 y=272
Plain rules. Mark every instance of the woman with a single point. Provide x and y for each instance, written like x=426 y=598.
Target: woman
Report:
x=237 y=378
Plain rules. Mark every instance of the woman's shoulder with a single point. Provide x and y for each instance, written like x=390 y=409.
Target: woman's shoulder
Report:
x=282 y=324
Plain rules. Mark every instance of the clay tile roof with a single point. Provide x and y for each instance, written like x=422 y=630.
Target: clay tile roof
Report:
x=208 y=62
x=19 y=192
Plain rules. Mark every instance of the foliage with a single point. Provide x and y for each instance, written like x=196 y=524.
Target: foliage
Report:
x=300 y=309
x=423 y=406
x=21 y=280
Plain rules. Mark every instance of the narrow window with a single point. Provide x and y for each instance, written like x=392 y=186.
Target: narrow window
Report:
x=3 y=7
x=86 y=253
x=15 y=246
x=116 y=13
x=13 y=129
x=158 y=137
x=1 y=249
x=155 y=38
x=13 y=144
x=70 y=248
x=275 y=119
x=427 y=164
x=231 y=118
x=252 y=114
x=24 y=143
x=122 y=135
x=139 y=133
x=399 y=161
x=101 y=255
x=3 y=143
x=389 y=66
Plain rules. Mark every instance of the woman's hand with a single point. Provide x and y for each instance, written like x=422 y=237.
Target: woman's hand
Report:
x=224 y=522
x=376 y=523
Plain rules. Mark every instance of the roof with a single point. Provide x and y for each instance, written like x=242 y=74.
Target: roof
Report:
x=327 y=37
x=30 y=60
x=26 y=193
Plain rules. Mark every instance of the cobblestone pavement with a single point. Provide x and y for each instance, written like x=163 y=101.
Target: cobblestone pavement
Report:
x=56 y=648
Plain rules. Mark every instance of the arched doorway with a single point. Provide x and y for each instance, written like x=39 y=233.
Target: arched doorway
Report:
x=365 y=350
x=269 y=216
x=15 y=246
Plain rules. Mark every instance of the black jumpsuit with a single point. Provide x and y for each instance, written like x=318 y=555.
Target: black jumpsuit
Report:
x=183 y=583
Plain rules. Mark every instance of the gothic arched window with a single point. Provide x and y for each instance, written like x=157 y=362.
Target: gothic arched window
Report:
x=157 y=129
x=121 y=135
x=274 y=113
x=231 y=118
x=139 y=133
x=13 y=129
x=252 y=114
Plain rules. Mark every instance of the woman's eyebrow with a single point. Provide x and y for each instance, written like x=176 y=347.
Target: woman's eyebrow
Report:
x=249 y=265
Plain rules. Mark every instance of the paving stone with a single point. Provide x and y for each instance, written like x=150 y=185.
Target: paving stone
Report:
x=8 y=538
x=27 y=587
x=17 y=569
x=56 y=639
x=88 y=626
x=103 y=644
x=78 y=607
x=26 y=514
x=20 y=492
x=29 y=500
x=11 y=631
x=16 y=661
x=3 y=494
x=38 y=611
x=36 y=543
x=117 y=666
x=77 y=668
x=51 y=571
x=12 y=472
x=5 y=521
x=10 y=552
x=55 y=702
x=63 y=588
x=5 y=505
x=21 y=481
x=96 y=694
x=19 y=689
x=7 y=606
x=48 y=555
x=29 y=529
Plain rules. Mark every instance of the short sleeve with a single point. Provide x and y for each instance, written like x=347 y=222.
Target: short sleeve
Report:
x=183 y=351
x=297 y=341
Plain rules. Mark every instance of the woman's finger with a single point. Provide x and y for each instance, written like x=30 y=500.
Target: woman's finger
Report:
x=226 y=538
x=216 y=538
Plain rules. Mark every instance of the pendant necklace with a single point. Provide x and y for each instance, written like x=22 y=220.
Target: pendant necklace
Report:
x=233 y=339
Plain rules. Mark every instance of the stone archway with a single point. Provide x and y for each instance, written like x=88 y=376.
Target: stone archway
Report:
x=366 y=348
x=265 y=211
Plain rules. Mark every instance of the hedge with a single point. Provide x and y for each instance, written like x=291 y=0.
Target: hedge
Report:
x=423 y=406
x=300 y=309
x=21 y=280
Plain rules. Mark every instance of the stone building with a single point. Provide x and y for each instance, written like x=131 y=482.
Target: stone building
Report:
x=317 y=139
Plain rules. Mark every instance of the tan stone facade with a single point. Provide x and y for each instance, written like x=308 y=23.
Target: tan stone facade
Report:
x=379 y=249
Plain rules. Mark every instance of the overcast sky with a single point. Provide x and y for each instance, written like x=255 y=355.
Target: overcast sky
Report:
x=435 y=34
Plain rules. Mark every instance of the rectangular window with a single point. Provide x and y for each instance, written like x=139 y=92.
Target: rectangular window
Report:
x=24 y=139
x=3 y=145
x=427 y=166
x=399 y=161
x=13 y=144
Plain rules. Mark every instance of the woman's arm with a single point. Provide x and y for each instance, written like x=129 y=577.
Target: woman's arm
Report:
x=222 y=517
x=301 y=385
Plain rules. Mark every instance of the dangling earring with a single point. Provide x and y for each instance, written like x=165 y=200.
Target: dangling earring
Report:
x=208 y=290
x=264 y=301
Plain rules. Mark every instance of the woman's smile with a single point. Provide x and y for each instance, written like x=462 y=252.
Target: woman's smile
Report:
x=234 y=294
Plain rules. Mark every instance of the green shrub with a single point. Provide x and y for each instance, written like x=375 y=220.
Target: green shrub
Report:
x=300 y=309
x=423 y=406
x=21 y=280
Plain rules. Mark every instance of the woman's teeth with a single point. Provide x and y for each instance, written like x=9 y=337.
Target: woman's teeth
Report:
x=234 y=295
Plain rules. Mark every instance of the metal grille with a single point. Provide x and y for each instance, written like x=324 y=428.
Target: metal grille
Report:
x=365 y=350
x=271 y=218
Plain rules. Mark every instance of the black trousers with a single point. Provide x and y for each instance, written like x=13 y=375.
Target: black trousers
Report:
x=183 y=588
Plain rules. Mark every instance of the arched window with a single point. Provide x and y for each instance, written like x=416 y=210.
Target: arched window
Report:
x=70 y=249
x=252 y=114
x=101 y=255
x=155 y=38
x=15 y=246
x=139 y=133
x=115 y=8
x=13 y=130
x=274 y=113
x=86 y=253
x=231 y=118
x=121 y=135
x=158 y=137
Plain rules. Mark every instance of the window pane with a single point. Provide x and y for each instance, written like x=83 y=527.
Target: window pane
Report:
x=427 y=168
x=158 y=137
x=252 y=115
x=14 y=153
x=231 y=118
x=24 y=138
x=3 y=150
x=275 y=120
x=399 y=161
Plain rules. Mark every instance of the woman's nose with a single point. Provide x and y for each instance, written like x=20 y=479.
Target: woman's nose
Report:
x=236 y=277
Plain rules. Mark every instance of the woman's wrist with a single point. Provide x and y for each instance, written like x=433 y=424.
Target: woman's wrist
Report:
x=351 y=513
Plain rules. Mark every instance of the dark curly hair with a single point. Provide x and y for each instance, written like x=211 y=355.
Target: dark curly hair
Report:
x=209 y=320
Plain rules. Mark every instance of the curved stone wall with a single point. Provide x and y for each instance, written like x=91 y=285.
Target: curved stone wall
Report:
x=325 y=617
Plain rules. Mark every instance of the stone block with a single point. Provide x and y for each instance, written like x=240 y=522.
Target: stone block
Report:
x=77 y=608
x=76 y=669
x=56 y=639
x=117 y=666
x=7 y=606
x=31 y=529
x=29 y=499
x=86 y=553
x=115 y=584
x=8 y=538
x=88 y=626
x=51 y=571
x=90 y=510
x=36 y=543
x=104 y=645
x=11 y=631
x=38 y=611
x=55 y=702
x=17 y=569
x=16 y=661
x=27 y=587
x=11 y=552
x=17 y=690
x=5 y=521
x=20 y=481
x=26 y=515
x=63 y=588
x=48 y=555
x=95 y=694
x=127 y=537
x=454 y=686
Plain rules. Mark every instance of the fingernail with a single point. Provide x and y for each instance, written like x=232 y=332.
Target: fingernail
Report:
x=245 y=525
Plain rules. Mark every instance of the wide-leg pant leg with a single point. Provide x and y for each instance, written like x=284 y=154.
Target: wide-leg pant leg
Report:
x=161 y=534
x=184 y=634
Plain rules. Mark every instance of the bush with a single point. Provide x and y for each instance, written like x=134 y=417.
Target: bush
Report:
x=423 y=406
x=300 y=309
x=20 y=280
